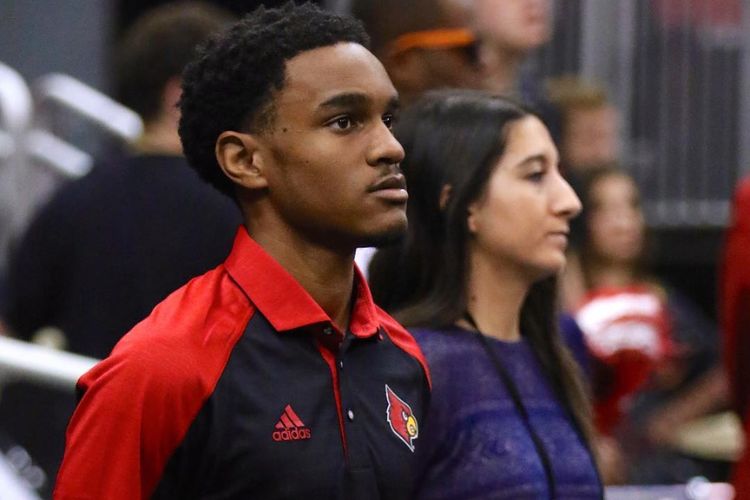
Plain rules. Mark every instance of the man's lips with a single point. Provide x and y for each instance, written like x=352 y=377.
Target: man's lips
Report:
x=392 y=188
x=394 y=181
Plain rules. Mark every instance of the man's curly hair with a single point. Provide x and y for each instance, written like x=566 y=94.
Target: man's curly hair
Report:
x=230 y=84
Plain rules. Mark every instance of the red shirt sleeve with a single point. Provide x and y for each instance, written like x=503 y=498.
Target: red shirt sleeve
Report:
x=735 y=297
x=138 y=404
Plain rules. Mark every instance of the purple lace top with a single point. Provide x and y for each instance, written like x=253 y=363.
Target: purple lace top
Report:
x=474 y=443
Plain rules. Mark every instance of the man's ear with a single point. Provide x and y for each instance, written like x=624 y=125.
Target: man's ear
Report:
x=241 y=159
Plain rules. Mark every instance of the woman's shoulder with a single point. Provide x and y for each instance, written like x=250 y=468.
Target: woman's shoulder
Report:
x=451 y=354
x=432 y=336
x=438 y=344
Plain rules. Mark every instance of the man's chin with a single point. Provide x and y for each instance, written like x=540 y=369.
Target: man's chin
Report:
x=383 y=239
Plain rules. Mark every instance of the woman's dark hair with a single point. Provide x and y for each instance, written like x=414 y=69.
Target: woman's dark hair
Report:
x=455 y=138
x=587 y=254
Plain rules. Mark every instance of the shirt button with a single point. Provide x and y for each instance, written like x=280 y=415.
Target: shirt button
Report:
x=350 y=414
x=328 y=331
x=341 y=364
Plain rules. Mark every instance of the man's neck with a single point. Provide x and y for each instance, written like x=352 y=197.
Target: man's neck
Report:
x=328 y=276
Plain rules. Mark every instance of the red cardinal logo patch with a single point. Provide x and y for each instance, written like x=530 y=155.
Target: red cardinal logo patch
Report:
x=401 y=419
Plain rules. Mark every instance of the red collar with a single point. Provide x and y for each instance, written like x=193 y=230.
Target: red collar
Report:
x=282 y=300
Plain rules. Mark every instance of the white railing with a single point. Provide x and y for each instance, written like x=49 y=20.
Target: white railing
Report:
x=696 y=489
x=15 y=119
x=43 y=365
x=57 y=90
x=11 y=486
x=89 y=103
x=62 y=157
x=28 y=140
x=15 y=101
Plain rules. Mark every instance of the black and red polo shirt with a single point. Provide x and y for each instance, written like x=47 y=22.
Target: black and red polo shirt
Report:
x=238 y=385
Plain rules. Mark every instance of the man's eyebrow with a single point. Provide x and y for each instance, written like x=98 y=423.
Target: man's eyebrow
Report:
x=352 y=99
x=355 y=99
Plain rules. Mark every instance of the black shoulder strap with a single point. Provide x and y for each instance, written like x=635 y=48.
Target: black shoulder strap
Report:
x=515 y=395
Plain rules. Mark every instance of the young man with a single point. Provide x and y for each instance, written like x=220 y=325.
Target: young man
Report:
x=273 y=376
x=108 y=247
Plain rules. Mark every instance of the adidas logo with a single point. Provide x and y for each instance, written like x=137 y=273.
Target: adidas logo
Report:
x=290 y=427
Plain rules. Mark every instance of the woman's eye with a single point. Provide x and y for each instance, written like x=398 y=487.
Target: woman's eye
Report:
x=535 y=176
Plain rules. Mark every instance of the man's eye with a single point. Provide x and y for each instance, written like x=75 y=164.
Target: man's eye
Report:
x=342 y=123
x=389 y=120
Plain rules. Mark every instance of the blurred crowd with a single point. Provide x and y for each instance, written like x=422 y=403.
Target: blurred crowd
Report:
x=106 y=248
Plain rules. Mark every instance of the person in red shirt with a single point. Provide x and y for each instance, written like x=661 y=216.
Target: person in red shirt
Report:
x=735 y=318
x=273 y=375
x=656 y=356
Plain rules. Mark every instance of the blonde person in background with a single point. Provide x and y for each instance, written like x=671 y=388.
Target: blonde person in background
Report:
x=589 y=123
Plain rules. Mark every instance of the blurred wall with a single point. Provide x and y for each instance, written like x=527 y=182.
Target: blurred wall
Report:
x=70 y=36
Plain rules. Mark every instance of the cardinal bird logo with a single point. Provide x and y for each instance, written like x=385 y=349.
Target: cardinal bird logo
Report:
x=401 y=419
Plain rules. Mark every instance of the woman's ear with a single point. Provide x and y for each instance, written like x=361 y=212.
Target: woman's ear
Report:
x=445 y=196
x=471 y=216
x=240 y=157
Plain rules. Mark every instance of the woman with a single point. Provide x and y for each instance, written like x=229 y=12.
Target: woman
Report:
x=474 y=280
x=622 y=312
x=656 y=357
